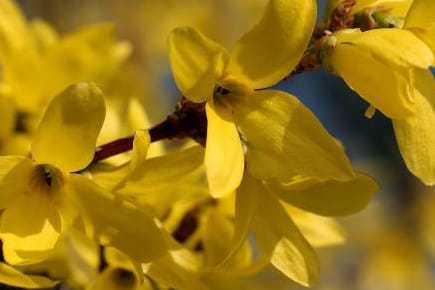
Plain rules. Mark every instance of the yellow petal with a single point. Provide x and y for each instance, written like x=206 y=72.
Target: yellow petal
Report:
x=427 y=34
x=17 y=144
x=330 y=197
x=44 y=34
x=15 y=173
x=224 y=160
x=398 y=7
x=92 y=51
x=8 y=163
x=284 y=139
x=374 y=81
x=397 y=47
x=88 y=54
x=178 y=270
x=420 y=14
x=386 y=59
x=160 y=183
x=247 y=198
x=120 y=273
x=13 y=28
x=421 y=21
x=8 y=115
x=270 y=51
x=278 y=236
x=68 y=132
x=115 y=222
x=115 y=278
x=415 y=135
x=319 y=231
x=141 y=143
x=13 y=277
x=217 y=242
x=196 y=61
x=29 y=229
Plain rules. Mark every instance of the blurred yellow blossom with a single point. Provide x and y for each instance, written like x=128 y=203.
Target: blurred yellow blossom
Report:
x=46 y=199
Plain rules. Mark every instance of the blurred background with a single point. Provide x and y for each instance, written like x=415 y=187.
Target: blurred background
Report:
x=391 y=244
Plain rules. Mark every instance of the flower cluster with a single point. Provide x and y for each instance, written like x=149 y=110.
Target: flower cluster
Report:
x=254 y=193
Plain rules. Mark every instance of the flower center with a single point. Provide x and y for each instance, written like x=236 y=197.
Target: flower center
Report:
x=46 y=181
x=227 y=92
x=124 y=278
x=220 y=92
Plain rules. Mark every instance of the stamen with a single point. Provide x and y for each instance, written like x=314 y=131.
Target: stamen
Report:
x=47 y=177
x=46 y=180
x=220 y=91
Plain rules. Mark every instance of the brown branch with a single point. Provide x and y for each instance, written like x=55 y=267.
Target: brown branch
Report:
x=188 y=120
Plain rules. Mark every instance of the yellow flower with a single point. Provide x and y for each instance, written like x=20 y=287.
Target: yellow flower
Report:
x=389 y=69
x=380 y=65
x=42 y=198
x=259 y=208
x=282 y=138
x=120 y=273
x=7 y=111
x=195 y=219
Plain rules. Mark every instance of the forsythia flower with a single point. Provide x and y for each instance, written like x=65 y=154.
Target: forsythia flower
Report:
x=259 y=208
x=281 y=137
x=37 y=63
x=386 y=59
x=195 y=219
x=120 y=272
x=393 y=77
x=221 y=229
x=42 y=198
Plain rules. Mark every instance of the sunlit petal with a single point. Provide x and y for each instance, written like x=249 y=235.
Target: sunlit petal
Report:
x=29 y=229
x=224 y=159
x=217 y=243
x=271 y=50
x=141 y=143
x=398 y=7
x=420 y=14
x=284 y=139
x=115 y=222
x=330 y=197
x=15 y=173
x=415 y=135
x=386 y=60
x=197 y=63
x=13 y=28
x=67 y=134
x=278 y=236
x=161 y=184
x=318 y=230
x=247 y=198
